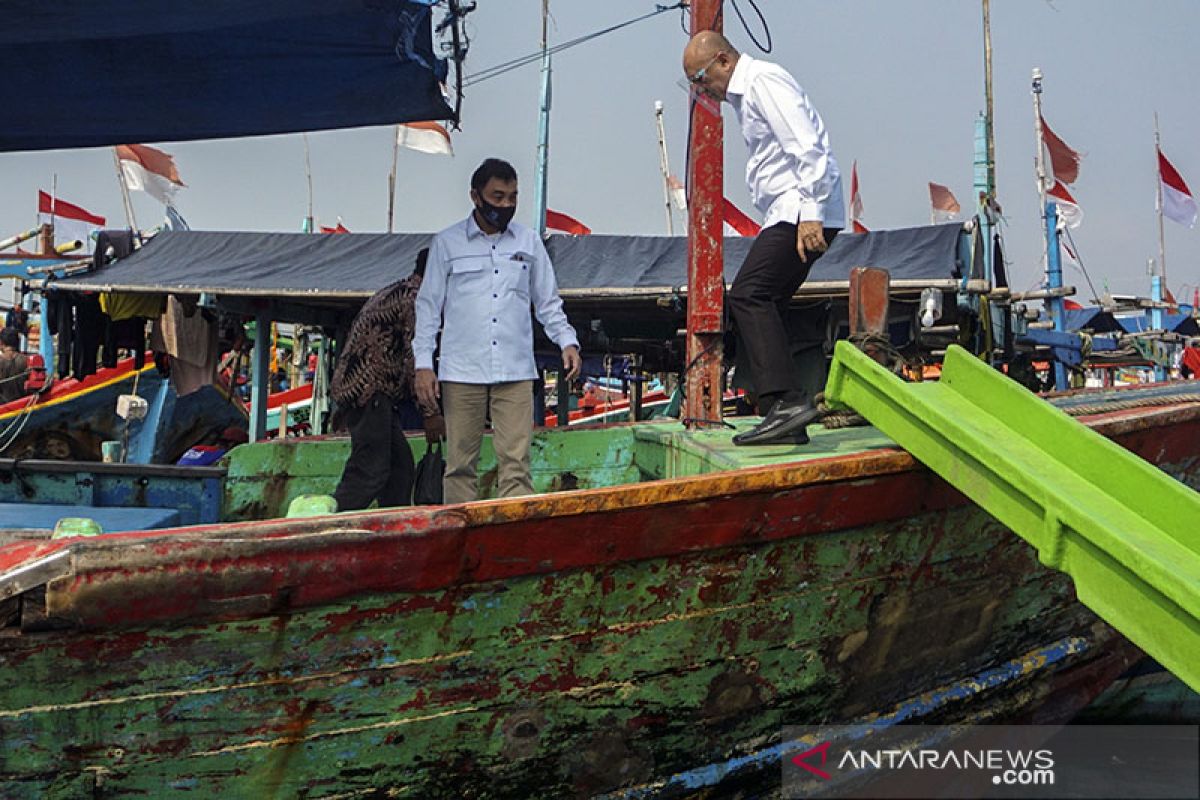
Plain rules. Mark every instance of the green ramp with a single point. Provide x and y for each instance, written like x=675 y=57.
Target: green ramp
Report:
x=1127 y=533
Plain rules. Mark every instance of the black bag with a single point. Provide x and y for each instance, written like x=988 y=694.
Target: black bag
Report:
x=427 y=484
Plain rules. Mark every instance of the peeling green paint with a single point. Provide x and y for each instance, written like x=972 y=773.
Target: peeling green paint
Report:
x=534 y=686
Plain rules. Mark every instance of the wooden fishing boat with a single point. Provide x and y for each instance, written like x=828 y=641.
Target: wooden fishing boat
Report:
x=645 y=626
x=72 y=417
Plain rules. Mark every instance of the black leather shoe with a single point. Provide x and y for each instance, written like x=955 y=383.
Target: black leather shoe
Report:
x=784 y=424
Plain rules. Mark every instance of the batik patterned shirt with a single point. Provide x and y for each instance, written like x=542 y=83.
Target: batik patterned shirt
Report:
x=377 y=357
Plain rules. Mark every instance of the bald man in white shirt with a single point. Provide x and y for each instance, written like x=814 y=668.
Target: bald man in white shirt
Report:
x=795 y=183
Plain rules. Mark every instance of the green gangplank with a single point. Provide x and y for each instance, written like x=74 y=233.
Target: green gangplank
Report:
x=1127 y=533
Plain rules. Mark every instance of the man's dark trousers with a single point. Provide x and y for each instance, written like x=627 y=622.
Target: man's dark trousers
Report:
x=759 y=300
x=381 y=463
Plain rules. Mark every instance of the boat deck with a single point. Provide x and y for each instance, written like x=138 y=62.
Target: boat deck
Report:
x=265 y=477
x=716 y=448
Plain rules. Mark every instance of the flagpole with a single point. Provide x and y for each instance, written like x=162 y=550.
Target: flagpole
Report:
x=54 y=203
x=1162 y=238
x=392 y=177
x=543 y=148
x=125 y=192
x=664 y=165
x=1049 y=230
x=987 y=84
x=308 y=220
x=1040 y=151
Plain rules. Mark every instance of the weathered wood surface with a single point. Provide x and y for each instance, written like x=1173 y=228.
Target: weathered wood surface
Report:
x=546 y=647
x=537 y=685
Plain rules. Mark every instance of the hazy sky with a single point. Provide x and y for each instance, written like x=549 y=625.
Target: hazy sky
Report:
x=898 y=82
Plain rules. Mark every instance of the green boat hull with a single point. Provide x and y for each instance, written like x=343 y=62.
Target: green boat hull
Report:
x=677 y=614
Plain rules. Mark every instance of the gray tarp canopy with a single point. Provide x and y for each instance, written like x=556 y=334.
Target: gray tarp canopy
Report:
x=314 y=268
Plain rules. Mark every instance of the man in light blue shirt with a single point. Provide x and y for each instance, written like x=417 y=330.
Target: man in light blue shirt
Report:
x=483 y=276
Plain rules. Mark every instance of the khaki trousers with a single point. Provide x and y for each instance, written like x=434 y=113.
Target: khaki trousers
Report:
x=466 y=407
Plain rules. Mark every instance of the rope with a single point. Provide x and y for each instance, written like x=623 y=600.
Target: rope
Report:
x=879 y=343
x=838 y=418
x=18 y=422
x=1125 y=405
x=137 y=374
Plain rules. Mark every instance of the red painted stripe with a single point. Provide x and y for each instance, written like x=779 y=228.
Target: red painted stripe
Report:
x=250 y=569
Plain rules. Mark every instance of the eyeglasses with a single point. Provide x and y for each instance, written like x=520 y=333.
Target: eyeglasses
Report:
x=699 y=76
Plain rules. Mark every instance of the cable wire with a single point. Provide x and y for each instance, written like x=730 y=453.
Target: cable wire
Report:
x=516 y=63
x=1079 y=260
x=766 y=28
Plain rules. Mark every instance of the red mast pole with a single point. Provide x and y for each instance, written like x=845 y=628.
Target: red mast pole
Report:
x=706 y=274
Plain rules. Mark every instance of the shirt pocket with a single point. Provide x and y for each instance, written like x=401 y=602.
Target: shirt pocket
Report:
x=513 y=270
x=468 y=270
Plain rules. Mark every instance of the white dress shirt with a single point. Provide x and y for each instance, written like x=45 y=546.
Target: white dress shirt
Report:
x=792 y=174
x=478 y=289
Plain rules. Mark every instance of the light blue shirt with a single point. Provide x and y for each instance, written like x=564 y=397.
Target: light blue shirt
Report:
x=478 y=289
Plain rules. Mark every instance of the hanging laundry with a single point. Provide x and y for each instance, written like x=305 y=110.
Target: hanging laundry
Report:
x=190 y=339
x=126 y=305
x=126 y=334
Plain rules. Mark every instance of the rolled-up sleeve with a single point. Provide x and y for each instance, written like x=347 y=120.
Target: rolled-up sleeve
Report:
x=547 y=305
x=430 y=299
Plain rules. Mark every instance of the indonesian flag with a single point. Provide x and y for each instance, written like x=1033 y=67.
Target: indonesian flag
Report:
x=678 y=193
x=339 y=228
x=71 y=223
x=149 y=170
x=736 y=221
x=944 y=204
x=567 y=224
x=1178 y=203
x=1064 y=162
x=425 y=137
x=856 y=204
x=1068 y=209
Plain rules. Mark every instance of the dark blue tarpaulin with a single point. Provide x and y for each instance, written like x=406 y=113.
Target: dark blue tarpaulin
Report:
x=80 y=73
x=304 y=265
x=1183 y=324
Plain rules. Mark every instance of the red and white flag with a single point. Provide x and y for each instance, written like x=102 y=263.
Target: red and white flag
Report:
x=856 y=204
x=1064 y=162
x=1178 y=203
x=71 y=223
x=425 y=137
x=943 y=202
x=678 y=193
x=736 y=221
x=1170 y=300
x=149 y=170
x=1066 y=205
x=558 y=221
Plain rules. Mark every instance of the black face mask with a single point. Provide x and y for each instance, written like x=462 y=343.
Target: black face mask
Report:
x=496 y=216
